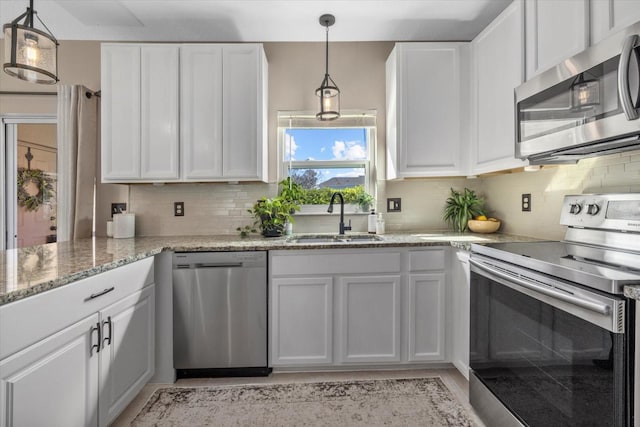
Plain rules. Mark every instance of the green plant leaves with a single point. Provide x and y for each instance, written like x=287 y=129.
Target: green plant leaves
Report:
x=461 y=207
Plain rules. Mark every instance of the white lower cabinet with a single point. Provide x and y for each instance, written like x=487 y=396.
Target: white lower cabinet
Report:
x=54 y=382
x=302 y=321
x=348 y=307
x=460 y=306
x=127 y=358
x=86 y=373
x=426 y=317
x=369 y=325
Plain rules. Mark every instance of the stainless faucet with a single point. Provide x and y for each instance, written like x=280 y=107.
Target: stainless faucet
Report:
x=330 y=210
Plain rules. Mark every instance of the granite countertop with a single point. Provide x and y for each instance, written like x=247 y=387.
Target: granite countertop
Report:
x=32 y=270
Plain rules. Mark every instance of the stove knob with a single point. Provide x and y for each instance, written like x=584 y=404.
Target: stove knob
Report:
x=593 y=209
x=575 y=208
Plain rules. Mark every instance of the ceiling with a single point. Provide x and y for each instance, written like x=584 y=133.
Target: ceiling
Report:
x=259 y=20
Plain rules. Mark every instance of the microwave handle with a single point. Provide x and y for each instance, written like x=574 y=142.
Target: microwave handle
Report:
x=623 y=77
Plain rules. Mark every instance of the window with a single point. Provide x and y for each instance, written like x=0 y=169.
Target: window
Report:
x=324 y=157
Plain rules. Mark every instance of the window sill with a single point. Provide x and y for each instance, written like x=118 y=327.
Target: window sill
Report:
x=322 y=210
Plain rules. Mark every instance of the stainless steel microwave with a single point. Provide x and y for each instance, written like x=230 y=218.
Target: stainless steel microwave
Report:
x=586 y=106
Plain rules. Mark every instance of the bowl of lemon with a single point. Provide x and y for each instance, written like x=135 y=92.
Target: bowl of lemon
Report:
x=482 y=224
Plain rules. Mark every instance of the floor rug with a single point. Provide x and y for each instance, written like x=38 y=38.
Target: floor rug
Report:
x=395 y=402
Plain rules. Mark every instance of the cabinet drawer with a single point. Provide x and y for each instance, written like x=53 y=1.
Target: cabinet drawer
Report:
x=307 y=263
x=27 y=321
x=432 y=259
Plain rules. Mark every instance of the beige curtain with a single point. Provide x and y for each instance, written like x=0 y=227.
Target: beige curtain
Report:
x=77 y=144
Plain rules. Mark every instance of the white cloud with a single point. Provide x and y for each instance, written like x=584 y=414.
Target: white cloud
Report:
x=290 y=147
x=350 y=150
x=322 y=149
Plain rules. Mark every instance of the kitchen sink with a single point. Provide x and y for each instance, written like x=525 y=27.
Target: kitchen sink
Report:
x=347 y=238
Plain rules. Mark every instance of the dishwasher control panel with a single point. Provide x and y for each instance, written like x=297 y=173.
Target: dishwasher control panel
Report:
x=185 y=260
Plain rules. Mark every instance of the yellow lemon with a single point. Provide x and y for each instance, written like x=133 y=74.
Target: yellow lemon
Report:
x=481 y=218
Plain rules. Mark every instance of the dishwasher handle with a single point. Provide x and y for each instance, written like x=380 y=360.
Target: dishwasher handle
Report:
x=217 y=265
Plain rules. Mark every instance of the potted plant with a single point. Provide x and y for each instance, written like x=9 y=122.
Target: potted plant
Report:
x=461 y=207
x=272 y=214
x=291 y=191
x=364 y=200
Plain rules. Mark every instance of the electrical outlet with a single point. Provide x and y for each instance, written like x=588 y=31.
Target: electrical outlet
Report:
x=526 y=203
x=394 y=205
x=118 y=208
x=178 y=209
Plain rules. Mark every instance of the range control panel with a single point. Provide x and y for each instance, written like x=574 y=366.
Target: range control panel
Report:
x=602 y=211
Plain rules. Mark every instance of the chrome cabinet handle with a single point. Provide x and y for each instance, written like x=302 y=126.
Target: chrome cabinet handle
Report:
x=623 y=77
x=99 y=294
x=98 y=329
x=588 y=305
x=107 y=339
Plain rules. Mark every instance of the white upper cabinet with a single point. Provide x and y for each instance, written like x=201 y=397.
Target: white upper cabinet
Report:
x=184 y=113
x=610 y=16
x=244 y=126
x=159 y=112
x=498 y=68
x=427 y=120
x=555 y=30
x=120 y=112
x=201 y=112
x=139 y=113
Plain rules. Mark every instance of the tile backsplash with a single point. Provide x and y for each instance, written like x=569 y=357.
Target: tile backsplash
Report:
x=219 y=208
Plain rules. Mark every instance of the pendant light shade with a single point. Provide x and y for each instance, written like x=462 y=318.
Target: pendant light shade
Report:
x=328 y=92
x=30 y=54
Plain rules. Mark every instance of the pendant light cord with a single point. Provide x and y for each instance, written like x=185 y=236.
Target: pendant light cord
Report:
x=327 y=50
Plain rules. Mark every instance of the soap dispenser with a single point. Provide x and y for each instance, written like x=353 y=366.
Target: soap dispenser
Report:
x=371 y=225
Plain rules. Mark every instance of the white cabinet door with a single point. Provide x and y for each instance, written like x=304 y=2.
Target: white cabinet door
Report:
x=244 y=120
x=369 y=324
x=53 y=382
x=159 y=112
x=460 y=307
x=120 y=119
x=301 y=321
x=555 y=30
x=127 y=356
x=426 y=317
x=610 y=16
x=498 y=64
x=427 y=122
x=201 y=111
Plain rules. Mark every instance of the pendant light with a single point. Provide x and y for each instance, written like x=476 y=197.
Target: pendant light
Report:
x=328 y=92
x=29 y=53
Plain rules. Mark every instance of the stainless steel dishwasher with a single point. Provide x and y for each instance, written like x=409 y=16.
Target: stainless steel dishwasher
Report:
x=220 y=313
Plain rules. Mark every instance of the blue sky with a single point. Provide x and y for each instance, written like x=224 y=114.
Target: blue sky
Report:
x=326 y=144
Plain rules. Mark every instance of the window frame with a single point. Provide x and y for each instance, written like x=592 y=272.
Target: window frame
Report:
x=368 y=164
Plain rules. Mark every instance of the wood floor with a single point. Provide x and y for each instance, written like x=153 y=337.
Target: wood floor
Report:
x=458 y=385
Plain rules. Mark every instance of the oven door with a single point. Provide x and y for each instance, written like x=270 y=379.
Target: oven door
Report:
x=553 y=353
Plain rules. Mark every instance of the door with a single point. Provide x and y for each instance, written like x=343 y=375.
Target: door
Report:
x=302 y=321
x=54 y=382
x=369 y=328
x=159 y=112
x=120 y=112
x=426 y=317
x=127 y=356
x=243 y=112
x=28 y=206
x=201 y=111
x=547 y=358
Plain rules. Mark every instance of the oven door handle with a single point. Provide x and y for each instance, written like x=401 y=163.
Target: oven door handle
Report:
x=588 y=305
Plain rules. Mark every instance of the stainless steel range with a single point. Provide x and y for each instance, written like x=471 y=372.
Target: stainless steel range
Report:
x=553 y=339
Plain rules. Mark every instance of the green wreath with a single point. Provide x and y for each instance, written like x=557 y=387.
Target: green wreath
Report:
x=32 y=202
